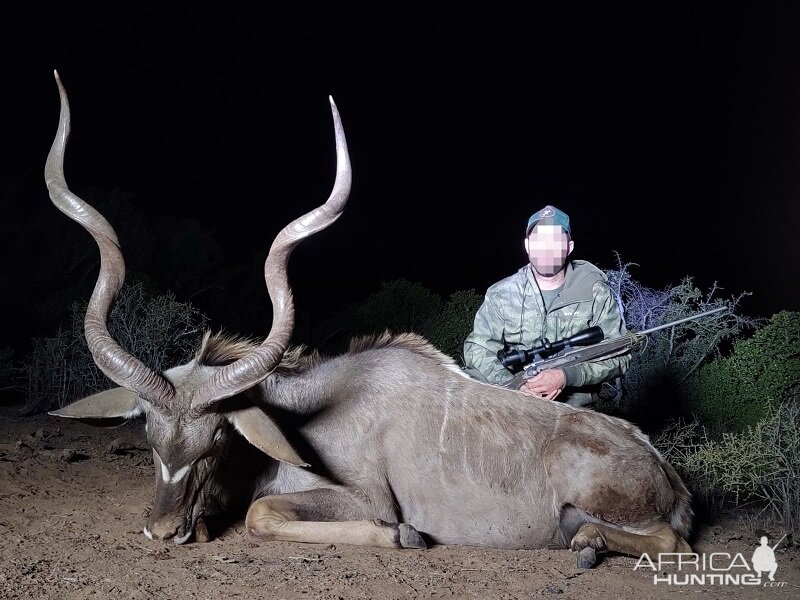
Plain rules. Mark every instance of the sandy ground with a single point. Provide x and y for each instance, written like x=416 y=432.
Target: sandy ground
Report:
x=72 y=506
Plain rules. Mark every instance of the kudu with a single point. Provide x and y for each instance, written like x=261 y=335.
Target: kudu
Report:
x=390 y=444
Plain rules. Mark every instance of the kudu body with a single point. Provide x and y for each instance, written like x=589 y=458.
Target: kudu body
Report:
x=395 y=440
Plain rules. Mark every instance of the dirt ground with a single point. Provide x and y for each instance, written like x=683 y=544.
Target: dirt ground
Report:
x=72 y=506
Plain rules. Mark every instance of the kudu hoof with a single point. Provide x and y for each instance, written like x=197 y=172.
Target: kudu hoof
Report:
x=586 y=558
x=410 y=537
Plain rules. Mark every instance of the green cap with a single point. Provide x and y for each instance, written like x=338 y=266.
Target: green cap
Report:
x=549 y=215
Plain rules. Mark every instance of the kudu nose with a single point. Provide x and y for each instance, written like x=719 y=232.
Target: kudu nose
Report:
x=162 y=530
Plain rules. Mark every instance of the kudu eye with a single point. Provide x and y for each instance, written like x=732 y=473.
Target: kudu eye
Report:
x=218 y=434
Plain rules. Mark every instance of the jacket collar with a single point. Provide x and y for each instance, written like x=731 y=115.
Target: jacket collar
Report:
x=578 y=283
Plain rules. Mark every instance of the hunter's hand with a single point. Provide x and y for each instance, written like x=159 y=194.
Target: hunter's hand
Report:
x=547 y=384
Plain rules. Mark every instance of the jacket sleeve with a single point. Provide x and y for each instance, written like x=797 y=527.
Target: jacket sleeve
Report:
x=482 y=344
x=607 y=317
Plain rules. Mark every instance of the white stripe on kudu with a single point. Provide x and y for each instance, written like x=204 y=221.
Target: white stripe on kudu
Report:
x=165 y=474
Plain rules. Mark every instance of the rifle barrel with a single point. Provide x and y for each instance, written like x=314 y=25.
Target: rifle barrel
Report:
x=684 y=320
x=779 y=542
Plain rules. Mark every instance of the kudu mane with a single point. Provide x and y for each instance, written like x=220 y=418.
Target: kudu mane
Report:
x=407 y=341
x=220 y=349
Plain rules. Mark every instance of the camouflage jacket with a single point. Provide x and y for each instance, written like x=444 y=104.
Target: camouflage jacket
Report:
x=513 y=310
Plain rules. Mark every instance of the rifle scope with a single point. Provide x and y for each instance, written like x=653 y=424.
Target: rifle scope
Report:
x=545 y=348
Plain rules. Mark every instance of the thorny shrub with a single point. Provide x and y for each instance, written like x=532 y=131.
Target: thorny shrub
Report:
x=652 y=386
x=760 y=464
x=157 y=329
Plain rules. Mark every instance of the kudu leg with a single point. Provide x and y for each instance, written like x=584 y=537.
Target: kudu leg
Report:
x=660 y=538
x=325 y=516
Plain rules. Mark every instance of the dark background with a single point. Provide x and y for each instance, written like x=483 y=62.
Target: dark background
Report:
x=668 y=131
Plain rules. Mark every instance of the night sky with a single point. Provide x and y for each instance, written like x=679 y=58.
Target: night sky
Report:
x=668 y=131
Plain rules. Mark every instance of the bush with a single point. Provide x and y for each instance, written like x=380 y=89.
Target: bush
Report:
x=652 y=386
x=6 y=366
x=739 y=390
x=448 y=330
x=399 y=306
x=8 y=374
x=157 y=329
x=759 y=464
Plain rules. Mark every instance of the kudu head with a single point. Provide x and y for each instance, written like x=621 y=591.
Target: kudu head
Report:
x=191 y=409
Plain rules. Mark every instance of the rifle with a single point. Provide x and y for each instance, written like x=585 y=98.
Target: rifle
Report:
x=585 y=346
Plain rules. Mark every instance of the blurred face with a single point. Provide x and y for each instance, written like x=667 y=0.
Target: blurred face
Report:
x=548 y=247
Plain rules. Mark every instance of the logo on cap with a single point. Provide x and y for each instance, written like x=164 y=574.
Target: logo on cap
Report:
x=549 y=212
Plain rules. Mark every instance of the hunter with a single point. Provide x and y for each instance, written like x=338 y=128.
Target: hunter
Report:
x=551 y=297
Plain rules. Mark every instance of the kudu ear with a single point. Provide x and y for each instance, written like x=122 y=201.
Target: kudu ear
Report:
x=116 y=403
x=258 y=429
